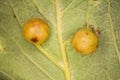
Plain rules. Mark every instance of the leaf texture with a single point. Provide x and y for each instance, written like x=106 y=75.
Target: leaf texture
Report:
x=56 y=59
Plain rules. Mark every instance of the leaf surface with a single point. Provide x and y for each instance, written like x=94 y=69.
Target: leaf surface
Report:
x=56 y=59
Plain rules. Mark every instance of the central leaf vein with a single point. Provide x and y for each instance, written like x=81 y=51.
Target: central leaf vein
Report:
x=62 y=47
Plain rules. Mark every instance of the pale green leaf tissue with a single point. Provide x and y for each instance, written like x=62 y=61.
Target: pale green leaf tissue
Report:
x=56 y=59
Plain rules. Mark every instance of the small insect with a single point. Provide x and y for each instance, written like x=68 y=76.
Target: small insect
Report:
x=36 y=31
x=85 y=40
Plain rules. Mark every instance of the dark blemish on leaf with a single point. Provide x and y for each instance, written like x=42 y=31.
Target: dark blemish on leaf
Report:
x=97 y=32
x=105 y=68
x=110 y=5
x=14 y=16
x=34 y=39
x=92 y=27
x=3 y=76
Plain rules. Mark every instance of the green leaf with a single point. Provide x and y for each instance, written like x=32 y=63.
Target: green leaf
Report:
x=56 y=59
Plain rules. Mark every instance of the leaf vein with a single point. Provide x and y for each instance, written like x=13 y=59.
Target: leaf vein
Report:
x=29 y=58
x=40 y=48
x=11 y=5
x=62 y=47
x=112 y=30
x=42 y=13
x=69 y=6
x=6 y=74
x=106 y=72
x=49 y=56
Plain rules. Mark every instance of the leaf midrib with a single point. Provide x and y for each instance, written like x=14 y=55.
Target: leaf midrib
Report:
x=60 y=39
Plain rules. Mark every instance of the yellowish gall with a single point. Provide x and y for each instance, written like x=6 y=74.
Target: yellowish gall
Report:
x=85 y=41
x=36 y=31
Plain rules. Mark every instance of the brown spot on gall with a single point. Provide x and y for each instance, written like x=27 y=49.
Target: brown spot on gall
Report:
x=34 y=39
